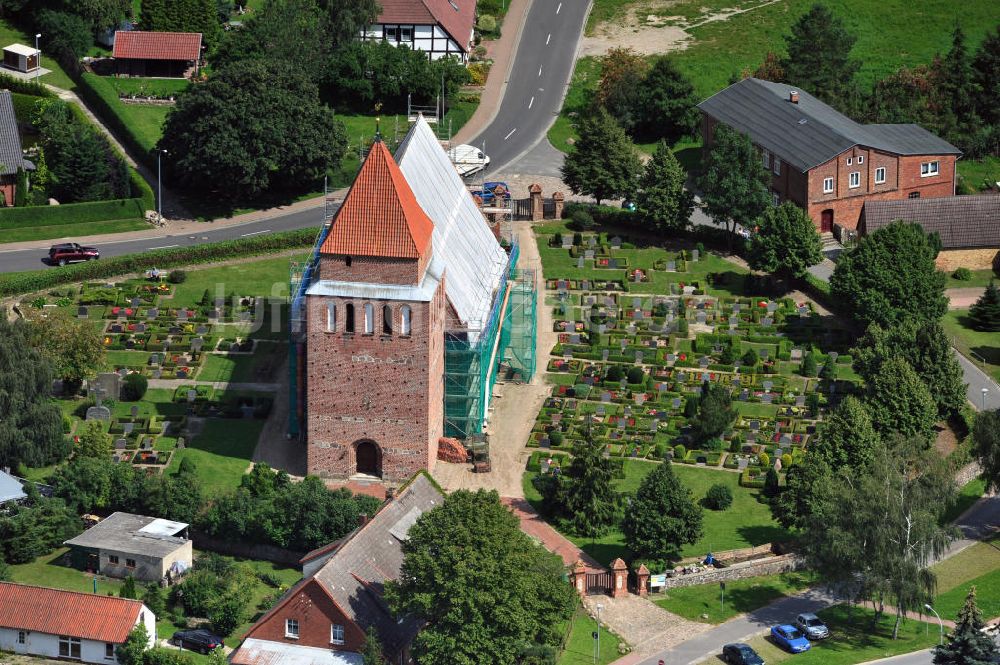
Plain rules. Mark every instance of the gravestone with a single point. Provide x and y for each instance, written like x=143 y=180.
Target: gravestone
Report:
x=767 y=385
x=700 y=317
x=754 y=425
x=157 y=373
x=616 y=243
x=197 y=343
x=127 y=428
x=833 y=355
x=640 y=399
x=638 y=357
x=129 y=344
x=545 y=443
x=703 y=361
x=767 y=321
x=134 y=411
x=574 y=338
x=744 y=395
x=688 y=290
x=636 y=303
x=182 y=373
x=803 y=310
x=604 y=354
x=734 y=320
x=182 y=315
x=154 y=358
x=624 y=342
x=694 y=255
x=767 y=398
x=705 y=376
x=654 y=426
x=585 y=285
x=174 y=330
x=567 y=243
x=121 y=444
x=609 y=301
x=621 y=423
x=591 y=241
x=676 y=402
x=152 y=313
x=201 y=329
x=600 y=410
x=192 y=395
x=140 y=327
x=796 y=354
x=764 y=353
x=116 y=328
x=671 y=358
x=579 y=263
x=637 y=315
x=671 y=266
x=772 y=307
x=214 y=314
x=109 y=385
x=219 y=302
x=736 y=308
x=589 y=254
x=606 y=397
x=98 y=413
x=786 y=440
x=244 y=316
x=136 y=302
x=82 y=312
x=602 y=328
x=800 y=400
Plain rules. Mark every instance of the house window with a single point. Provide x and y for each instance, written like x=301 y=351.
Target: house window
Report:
x=775 y=198
x=69 y=647
x=861 y=159
x=112 y=558
x=336 y=634
x=109 y=651
x=406 y=34
x=404 y=324
x=369 y=318
x=386 y=320
x=827 y=185
x=292 y=628
x=349 y=318
x=850 y=160
x=880 y=175
x=331 y=318
x=913 y=195
x=777 y=166
x=766 y=157
x=22 y=637
x=130 y=563
x=854 y=180
x=929 y=169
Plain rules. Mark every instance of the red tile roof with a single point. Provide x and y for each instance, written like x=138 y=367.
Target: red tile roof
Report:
x=456 y=22
x=380 y=216
x=157 y=45
x=84 y=615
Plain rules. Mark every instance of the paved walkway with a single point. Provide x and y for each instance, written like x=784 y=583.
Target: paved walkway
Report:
x=645 y=626
x=536 y=527
x=966 y=296
x=172 y=384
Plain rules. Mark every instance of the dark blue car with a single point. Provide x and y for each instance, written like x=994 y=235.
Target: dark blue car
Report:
x=739 y=653
x=790 y=638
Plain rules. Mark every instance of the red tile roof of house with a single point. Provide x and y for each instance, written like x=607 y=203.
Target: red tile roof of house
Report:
x=140 y=45
x=84 y=615
x=456 y=19
x=380 y=216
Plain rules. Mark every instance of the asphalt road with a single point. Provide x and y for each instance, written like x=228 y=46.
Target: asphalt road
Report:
x=538 y=80
x=32 y=259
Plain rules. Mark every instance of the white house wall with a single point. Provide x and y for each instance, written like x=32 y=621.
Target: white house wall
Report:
x=47 y=645
x=428 y=38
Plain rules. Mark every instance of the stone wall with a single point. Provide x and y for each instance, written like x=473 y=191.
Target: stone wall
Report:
x=768 y=566
x=968 y=473
x=237 y=548
x=973 y=259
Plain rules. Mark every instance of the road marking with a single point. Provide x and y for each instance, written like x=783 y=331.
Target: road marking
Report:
x=255 y=233
x=164 y=246
x=539 y=70
x=509 y=134
x=548 y=38
x=558 y=8
x=531 y=102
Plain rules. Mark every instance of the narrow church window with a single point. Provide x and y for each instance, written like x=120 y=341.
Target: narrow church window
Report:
x=369 y=318
x=347 y=261
x=349 y=318
x=331 y=318
x=404 y=327
x=386 y=320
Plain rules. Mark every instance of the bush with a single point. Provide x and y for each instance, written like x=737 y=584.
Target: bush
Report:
x=735 y=445
x=577 y=239
x=486 y=23
x=177 y=277
x=557 y=240
x=581 y=220
x=750 y=358
x=719 y=497
x=679 y=452
x=765 y=459
x=963 y=274
x=714 y=444
x=786 y=460
x=555 y=438
x=809 y=366
x=682 y=327
x=614 y=373
x=134 y=387
x=636 y=375
x=71 y=213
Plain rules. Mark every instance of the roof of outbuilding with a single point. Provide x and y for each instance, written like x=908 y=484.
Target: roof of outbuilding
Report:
x=456 y=17
x=11 y=155
x=960 y=221
x=255 y=651
x=809 y=133
x=142 y=45
x=133 y=534
x=380 y=216
x=10 y=488
x=84 y=615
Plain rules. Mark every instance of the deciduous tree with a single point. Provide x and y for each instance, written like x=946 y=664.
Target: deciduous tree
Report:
x=483 y=589
x=662 y=198
x=786 y=243
x=661 y=517
x=603 y=163
x=899 y=401
x=967 y=644
x=794 y=506
x=666 y=103
x=891 y=276
x=132 y=650
x=986 y=446
x=819 y=55
x=619 y=90
x=735 y=183
x=93 y=442
x=74 y=347
x=847 y=438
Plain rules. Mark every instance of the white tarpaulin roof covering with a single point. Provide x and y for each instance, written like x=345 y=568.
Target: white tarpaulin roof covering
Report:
x=474 y=261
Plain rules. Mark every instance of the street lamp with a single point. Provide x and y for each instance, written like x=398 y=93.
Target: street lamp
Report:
x=159 y=186
x=38 y=56
x=940 y=623
x=597 y=653
x=985 y=390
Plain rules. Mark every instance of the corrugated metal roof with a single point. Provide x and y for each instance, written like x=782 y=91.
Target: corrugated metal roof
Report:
x=141 y=45
x=810 y=132
x=11 y=157
x=380 y=215
x=57 y=612
x=262 y=652
x=123 y=532
x=10 y=488
x=422 y=293
x=456 y=17
x=960 y=221
x=473 y=259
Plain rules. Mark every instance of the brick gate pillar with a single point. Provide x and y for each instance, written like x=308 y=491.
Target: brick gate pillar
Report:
x=558 y=200
x=535 y=192
x=578 y=576
x=642 y=579
x=619 y=575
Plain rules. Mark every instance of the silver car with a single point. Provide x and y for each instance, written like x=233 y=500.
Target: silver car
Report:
x=812 y=626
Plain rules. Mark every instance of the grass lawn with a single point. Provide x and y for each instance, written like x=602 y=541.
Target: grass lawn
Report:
x=971 y=563
x=241 y=369
x=741 y=596
x=221 y=453
x=985 y=345
x=968 y=495
x=979 y=278
x=75 y=230
x=979 y=174
x=48 y=571
x=748 y=522
x=268 y=277
x=853 y=640
x=580 y=646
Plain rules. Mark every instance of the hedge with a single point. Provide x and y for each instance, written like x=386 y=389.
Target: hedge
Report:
x=24 y=87
x=70 y=213
x=105 y=102
x=39 y=280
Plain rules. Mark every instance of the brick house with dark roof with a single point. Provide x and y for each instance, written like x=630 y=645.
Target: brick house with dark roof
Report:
x=68 y=625
x=968 y=226
x=163 y=54
x=322 y=620
x=438 y=27
x=825 y=162
x=11 y=154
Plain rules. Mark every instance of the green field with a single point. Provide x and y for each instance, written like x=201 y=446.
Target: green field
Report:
x=748 y=522
x=221 y=453
x=580 y=645
x=267 y=277
x=979 y=278
x=57 y=77
x=978 y=566
x=49 y=571
x=72 y=230
x=979 y=174
x=975 y=345
x=704 y=602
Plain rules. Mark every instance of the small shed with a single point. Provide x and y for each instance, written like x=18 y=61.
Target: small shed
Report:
x=10 y=488
x=21 y=58
x=156 y=54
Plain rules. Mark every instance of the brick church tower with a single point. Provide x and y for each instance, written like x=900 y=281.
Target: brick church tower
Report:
x=376 y=318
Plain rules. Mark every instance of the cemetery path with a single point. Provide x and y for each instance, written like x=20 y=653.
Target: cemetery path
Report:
x=172 y=384
x=536 y=527
x=273 y=444
x=960 y=298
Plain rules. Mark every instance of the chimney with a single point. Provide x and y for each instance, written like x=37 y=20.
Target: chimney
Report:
x=793 y=97
x=362 y=519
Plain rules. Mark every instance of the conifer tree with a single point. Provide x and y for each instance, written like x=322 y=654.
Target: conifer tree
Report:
x=967 y=645
x=819 y=61
x=985 y=313
x=662 y=516
x=603 y=163
x=662 y=199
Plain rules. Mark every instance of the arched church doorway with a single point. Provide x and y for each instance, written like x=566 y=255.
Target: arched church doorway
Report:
x=368 y=458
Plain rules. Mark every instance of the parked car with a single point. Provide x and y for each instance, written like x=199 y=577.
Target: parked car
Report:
x=197 y=640
x=812 y=626
x=491 y=190
x=71 y=252
x=790 y=638
x=739 y=653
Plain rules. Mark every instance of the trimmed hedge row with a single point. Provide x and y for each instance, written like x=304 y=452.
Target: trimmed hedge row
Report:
x=24 y=87
x=39 y=280
x=104 y=99
x=70 y=213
